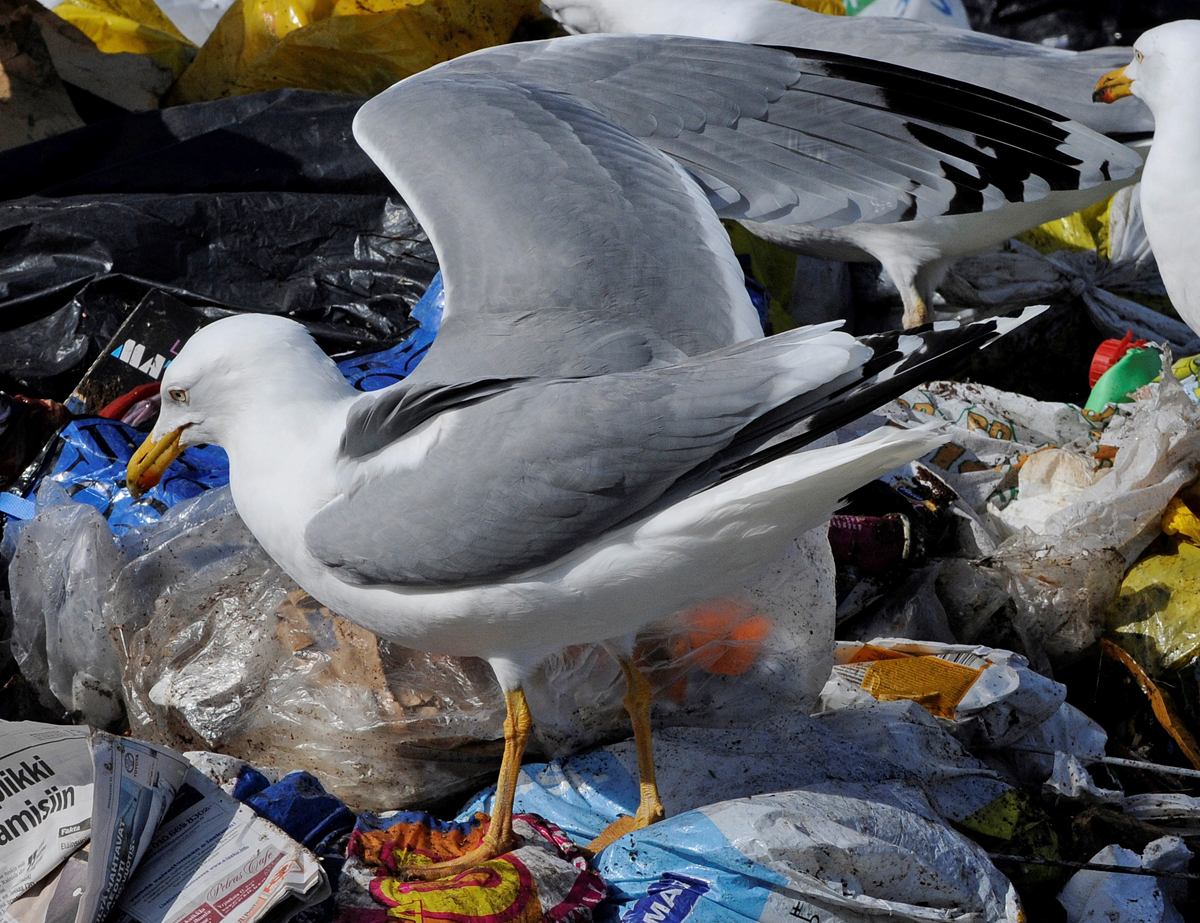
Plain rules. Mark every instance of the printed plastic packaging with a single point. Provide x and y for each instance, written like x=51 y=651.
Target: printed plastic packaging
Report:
x=989 y=697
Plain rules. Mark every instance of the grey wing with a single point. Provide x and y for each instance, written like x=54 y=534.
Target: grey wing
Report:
x=1052 y=78
x=528 y=472
x=792 y=137
x=566 y=245
x=1061 y=81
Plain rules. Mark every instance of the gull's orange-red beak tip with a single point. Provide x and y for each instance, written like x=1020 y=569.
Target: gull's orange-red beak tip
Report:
x=1112 y=86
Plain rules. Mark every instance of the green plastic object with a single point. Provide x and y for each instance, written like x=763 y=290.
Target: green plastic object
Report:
x=1134 y=369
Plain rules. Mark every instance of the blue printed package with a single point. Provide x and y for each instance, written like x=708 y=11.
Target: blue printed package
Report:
x=842 y=836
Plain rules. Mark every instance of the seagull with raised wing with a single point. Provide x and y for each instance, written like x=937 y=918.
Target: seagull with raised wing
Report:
x=599 y=436
x=915 y=246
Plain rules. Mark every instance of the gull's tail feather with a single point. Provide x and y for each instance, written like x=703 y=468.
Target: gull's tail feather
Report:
x=746 y=520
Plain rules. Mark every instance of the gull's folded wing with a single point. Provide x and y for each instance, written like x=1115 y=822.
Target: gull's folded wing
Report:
x=530 y=470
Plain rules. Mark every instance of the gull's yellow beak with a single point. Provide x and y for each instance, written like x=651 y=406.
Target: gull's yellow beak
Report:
x=1112 y=86
x=151 y=461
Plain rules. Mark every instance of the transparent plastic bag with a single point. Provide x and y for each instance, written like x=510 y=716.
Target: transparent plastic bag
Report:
x=65 y=558
x=711 y=666
x=225 y=653
x=1059 y=550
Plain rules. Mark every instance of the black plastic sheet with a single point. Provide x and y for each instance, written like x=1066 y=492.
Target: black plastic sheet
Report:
x=1075 y=24
x=260 y=203
x=284 y=140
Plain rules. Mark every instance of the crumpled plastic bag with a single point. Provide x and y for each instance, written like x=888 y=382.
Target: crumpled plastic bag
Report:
x=360 y=47
x=64 y=560
x=827 y=775
x=224 y=653
x=136 y=26
x=1154 y=617
x=1055 y=755
x=159 y=200
x=1064 y=574
x=807 y=855
x=1092 y=895
x=1102 y=256
x=713 y=665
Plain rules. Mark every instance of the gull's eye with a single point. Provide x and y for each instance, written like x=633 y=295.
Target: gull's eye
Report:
x=178 y=395
x=1137 y=56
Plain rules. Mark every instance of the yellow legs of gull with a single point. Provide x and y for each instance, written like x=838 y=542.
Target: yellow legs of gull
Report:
x=650 y=809
x=498 y=838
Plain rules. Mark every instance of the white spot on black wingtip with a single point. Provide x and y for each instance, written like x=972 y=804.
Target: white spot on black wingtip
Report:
x=1007 y=324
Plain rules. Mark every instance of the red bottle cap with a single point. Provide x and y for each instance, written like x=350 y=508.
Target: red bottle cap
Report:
x=1109 y=353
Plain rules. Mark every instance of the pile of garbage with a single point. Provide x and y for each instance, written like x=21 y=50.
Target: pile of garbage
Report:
x=974 y=695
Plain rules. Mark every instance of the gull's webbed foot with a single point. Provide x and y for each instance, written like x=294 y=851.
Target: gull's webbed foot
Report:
x=647 y=813
x=490 y=847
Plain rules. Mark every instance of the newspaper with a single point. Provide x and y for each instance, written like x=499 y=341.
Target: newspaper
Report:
x=214 y=859
x=167 y=844
x=45 y=801
x=135 y=784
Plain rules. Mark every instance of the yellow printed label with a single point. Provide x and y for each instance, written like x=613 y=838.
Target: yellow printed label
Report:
x=936 y=684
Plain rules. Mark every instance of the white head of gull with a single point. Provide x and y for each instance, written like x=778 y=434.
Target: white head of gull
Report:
x=599 y=436
x=1165 y=74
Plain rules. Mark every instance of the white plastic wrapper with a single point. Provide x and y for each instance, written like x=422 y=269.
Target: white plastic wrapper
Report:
x=45 y=801
x=1111 y=896
x=956 y=783
x=1056 y=753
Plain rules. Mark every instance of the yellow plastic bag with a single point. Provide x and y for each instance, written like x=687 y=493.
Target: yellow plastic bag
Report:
x=772 y=266
x=347 y=46
x=1156 y=616
x=1084 y=230
x=136 y=26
